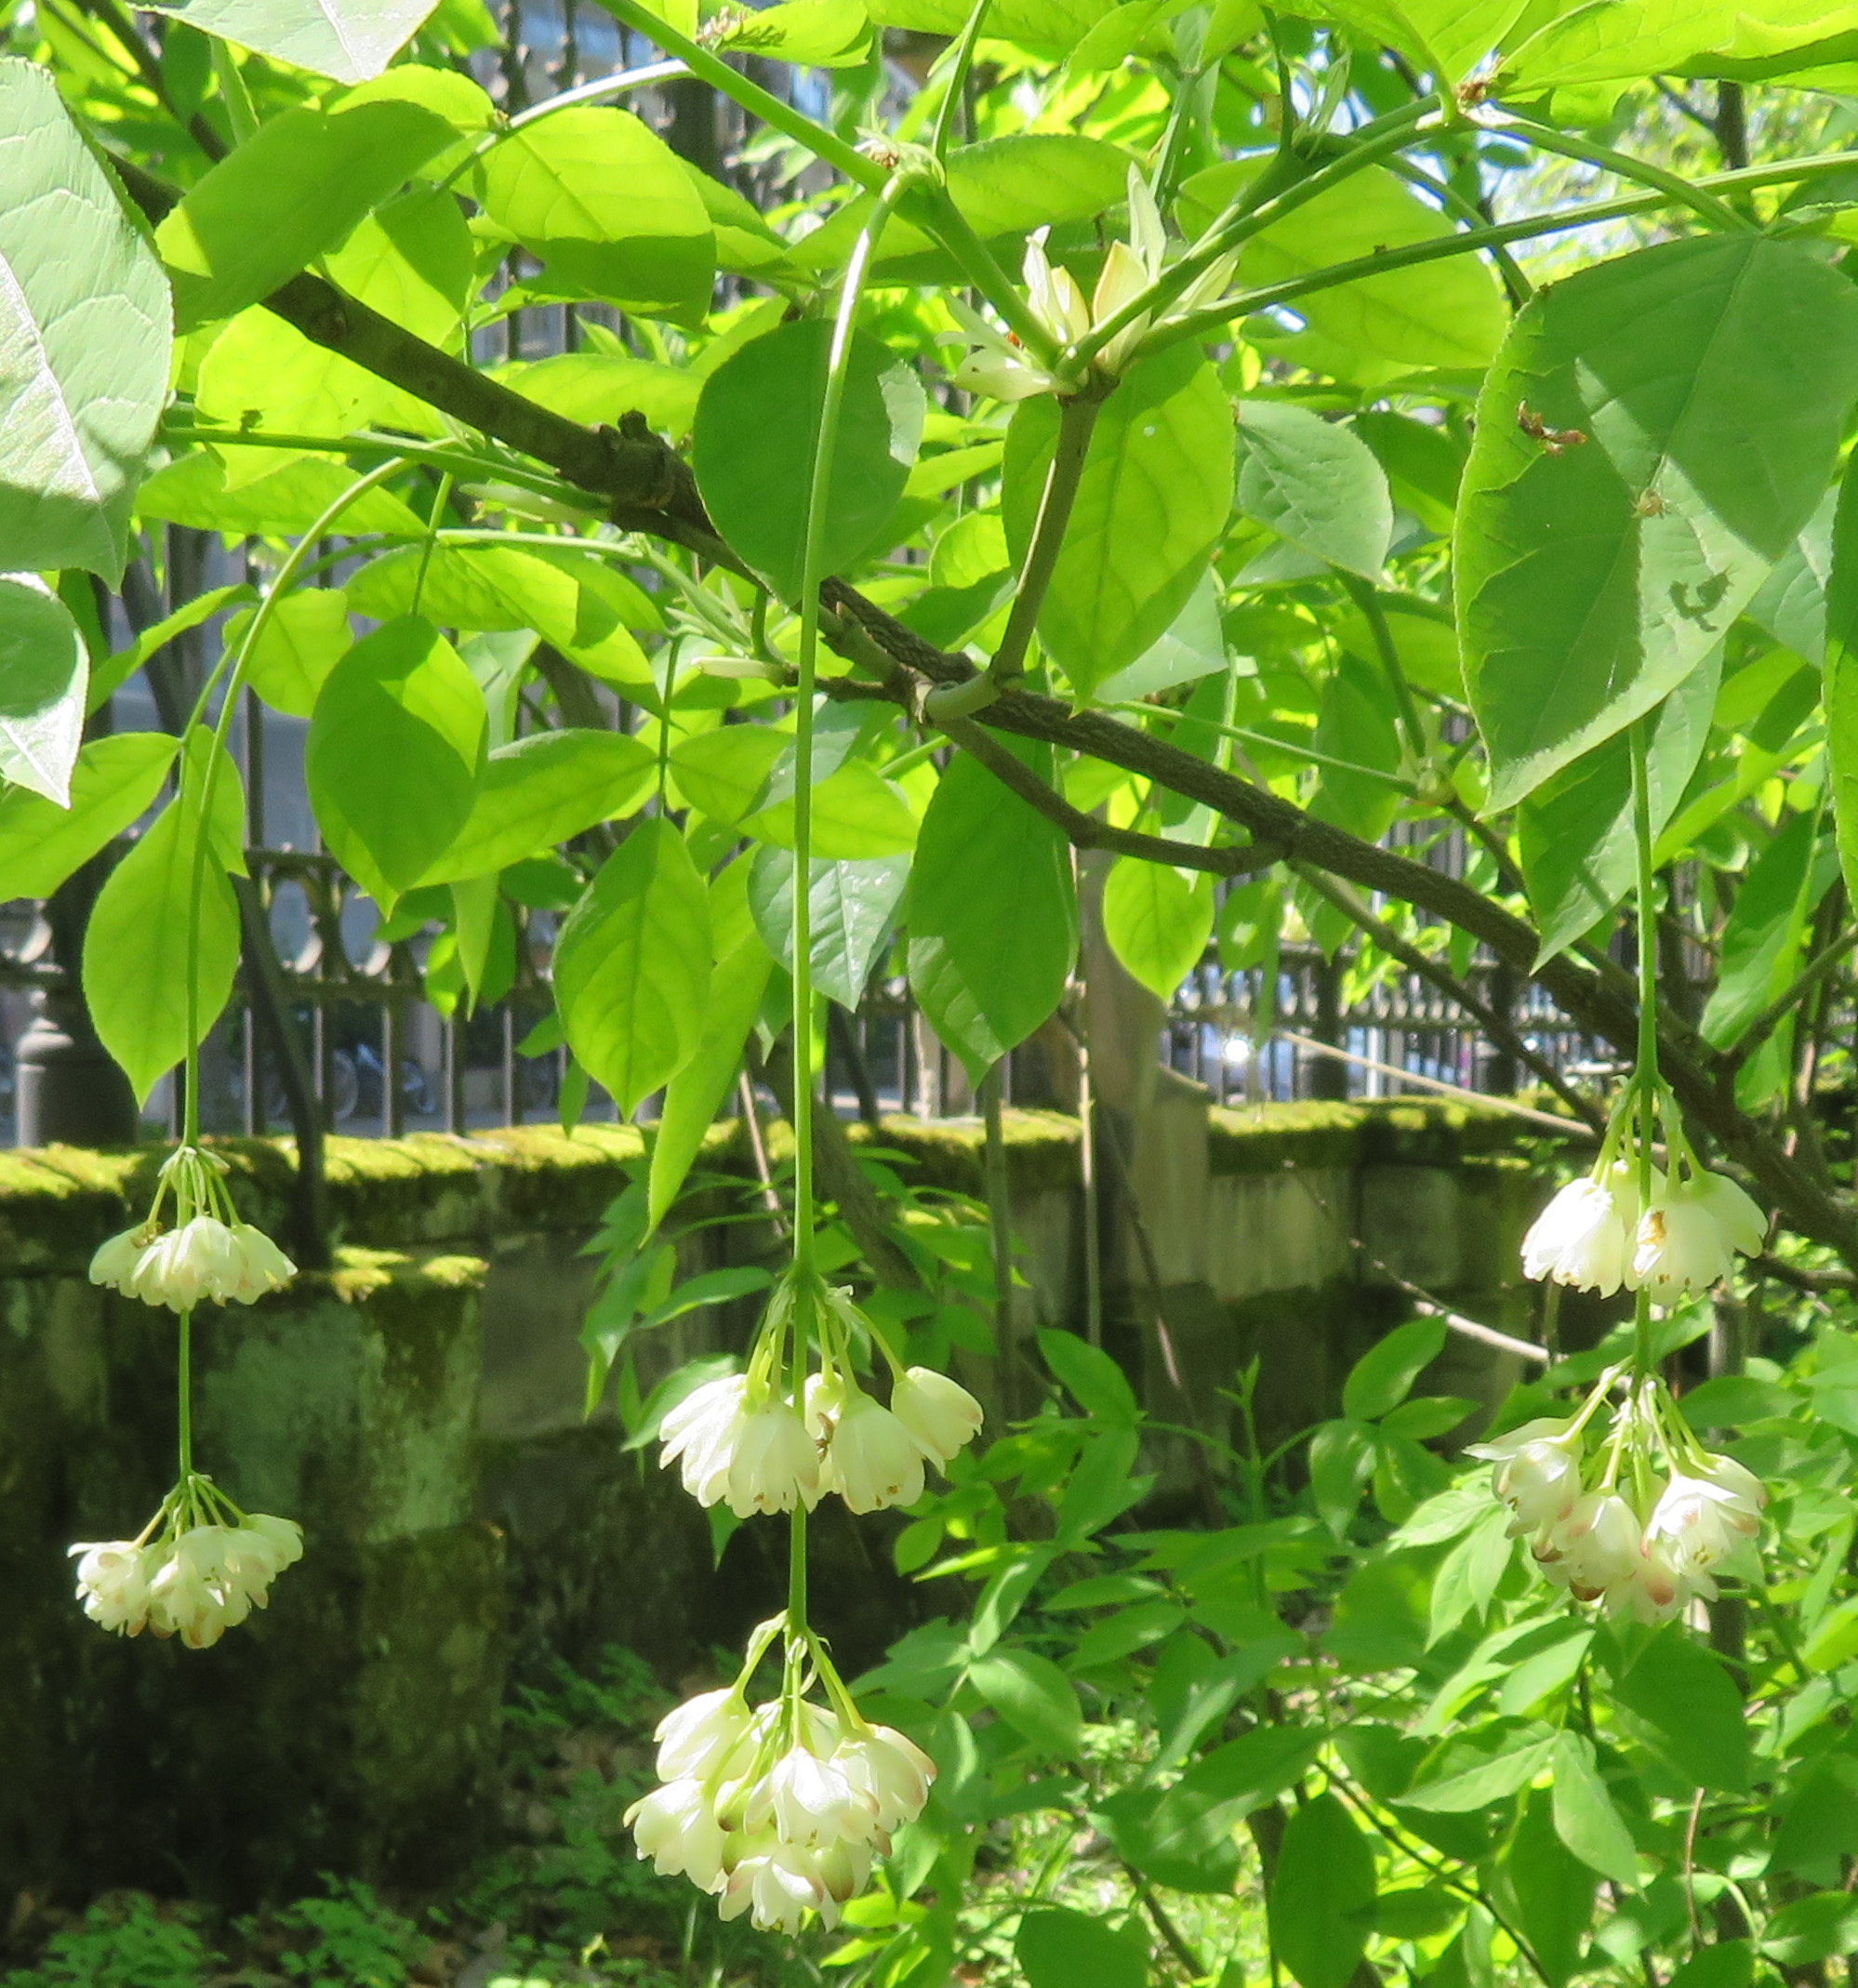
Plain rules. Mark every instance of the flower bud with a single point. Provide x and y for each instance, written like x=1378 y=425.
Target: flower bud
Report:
x=941 y=1414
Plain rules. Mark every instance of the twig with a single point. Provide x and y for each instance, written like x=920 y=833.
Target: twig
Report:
x=752 y=1119
x=1085 y=830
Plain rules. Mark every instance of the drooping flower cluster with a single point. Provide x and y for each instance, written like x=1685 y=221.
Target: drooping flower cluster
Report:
x=745 y=1440
x=189 y=1575
x=779 y=1810
x=208 y=1256
x=1599 y=1233
x=998 y=367
x=1643 y=1523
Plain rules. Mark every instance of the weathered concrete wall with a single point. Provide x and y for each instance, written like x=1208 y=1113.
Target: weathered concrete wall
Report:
x=420 y=1410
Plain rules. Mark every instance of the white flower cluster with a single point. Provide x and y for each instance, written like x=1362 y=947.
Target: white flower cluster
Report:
x=196 y=1583
x=1596 y=1236
x=1649 y=1535
x=779 y=1810
x=741 y=1441
x=208 y=1257
x=998 y=367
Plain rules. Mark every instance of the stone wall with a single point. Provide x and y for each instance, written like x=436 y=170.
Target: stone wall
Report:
x=418 y=1409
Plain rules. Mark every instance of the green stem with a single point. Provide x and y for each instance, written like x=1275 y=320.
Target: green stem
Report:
x=1528 y=228
x=235 y=675
x=782 y=117
x=938 y=215
x=812 y=575
x=1687 y=192
x=1077 y=417
x=1367 y=598
x=438 y=503
x=185 y=1384
x=961 y=62
x=1645 y=1076
x=796 y=1571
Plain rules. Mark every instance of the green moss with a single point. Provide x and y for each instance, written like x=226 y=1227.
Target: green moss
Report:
x=1041 y=1150
x=362 y=1275
x=1317 y=1134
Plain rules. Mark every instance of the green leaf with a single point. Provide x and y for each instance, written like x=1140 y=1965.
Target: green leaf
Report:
x=1449 y=37
x=282 y=502
x=1155 y=494
x=1322 y=1896
x=574 y=602
x=45 y=673
x=1315 y=482
x=1341 y=1461
x=1679 y=1689
x=603 y=200
x=853 y=907
x=1767 y=923
x=1056 y=1948
x=632 y=965
x=297 y=186
x=304 y=637
x=84 y=341
x=135 y=949
x=1158 y=920
x=351 y=40
x=1447 y=313
x=1468 y=1577
x=1711 y=378
x=695 y=1096
x=992 y=916
x=1045 y=27
x=1554 y=1890
x=1472 y=1773
x=1725 y=1964
x=857 y=816
x=1576 y=842
x=1842 y=674
x=540 y=790
x=1589 y=45
x=1586 y=1819
x=114 y=780
x=394 y=754
x=1033 y=1696
x=1812 y=1929
x=597 y=388
x=1097 y=1385
x=751 y=447
x=1384 y=1375
x=1174 y=1836
x=111 y=674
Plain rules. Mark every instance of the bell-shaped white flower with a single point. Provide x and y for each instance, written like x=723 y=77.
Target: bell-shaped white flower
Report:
x=259 y=1266
x=115 y=1262
x=892 y=1770
x=192 y=1594
x=703 y=1429
x=776 y=1465
x=253 y=1555
x=1652 y=1588
x=113 y=1583
x=1702 y=1517
x=941 y=1414
x=188 y=1267
x=1538 y=1471
x=808 y=1800
x=1584 y=1237
x=673 y=1826
x=778 y=1886
x=868 y=1456
x=701 y=1734
x=1594 y=1547
x=1689 y=1234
